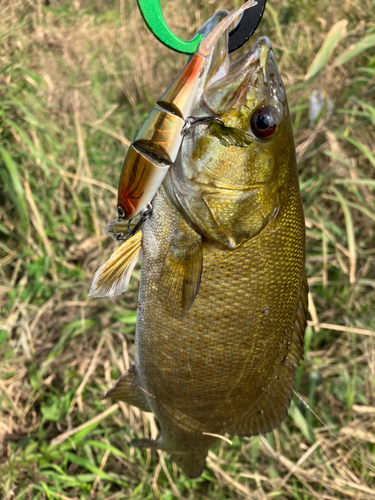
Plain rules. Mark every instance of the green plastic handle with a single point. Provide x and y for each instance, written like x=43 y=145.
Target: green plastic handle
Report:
x=153 y=17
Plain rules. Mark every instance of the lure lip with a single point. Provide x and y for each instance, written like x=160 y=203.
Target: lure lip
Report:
x=208 y=44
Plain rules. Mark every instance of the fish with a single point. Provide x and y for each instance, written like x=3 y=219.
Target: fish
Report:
x=223 y=292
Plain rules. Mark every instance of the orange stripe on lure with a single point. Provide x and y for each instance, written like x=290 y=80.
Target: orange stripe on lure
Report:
x=156 y=145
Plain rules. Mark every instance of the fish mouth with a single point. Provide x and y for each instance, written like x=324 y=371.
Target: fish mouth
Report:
x=254 y=77
x=225 y=85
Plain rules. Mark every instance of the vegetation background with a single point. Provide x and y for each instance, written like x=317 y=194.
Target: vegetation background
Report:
x=77 y=79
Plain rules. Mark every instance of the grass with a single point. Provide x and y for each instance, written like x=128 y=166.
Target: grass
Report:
x=77 y=80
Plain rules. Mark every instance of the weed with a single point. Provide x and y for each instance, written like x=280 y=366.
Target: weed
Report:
x=76 y=81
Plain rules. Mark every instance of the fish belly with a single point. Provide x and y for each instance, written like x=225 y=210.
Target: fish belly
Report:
x=228 y=365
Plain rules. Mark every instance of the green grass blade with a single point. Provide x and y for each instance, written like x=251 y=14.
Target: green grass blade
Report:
x=360 y=208
x=83 y=462
x=357 y=48
x=8 y=32
x=363 y=149
x=334 y=36
x=368 y=107
x=363 y=182
x=350 y=233
x=299 y=420
x=14 y=187
x=105 y=446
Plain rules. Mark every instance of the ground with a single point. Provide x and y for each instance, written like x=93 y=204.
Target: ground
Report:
x=77 y=79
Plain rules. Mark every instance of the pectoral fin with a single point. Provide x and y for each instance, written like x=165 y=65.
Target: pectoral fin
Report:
x=127 y=389
x=181 y=274
x=112 y=278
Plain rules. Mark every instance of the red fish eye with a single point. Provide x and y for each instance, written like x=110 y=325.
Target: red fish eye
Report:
x=264 y=123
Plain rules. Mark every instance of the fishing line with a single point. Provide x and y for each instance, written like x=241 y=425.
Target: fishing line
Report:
x=336 y=436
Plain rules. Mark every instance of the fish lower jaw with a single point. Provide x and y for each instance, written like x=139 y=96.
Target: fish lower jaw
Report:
x=240 y=189
x=214 y=188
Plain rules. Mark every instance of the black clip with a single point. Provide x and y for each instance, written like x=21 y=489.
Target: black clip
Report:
x=246 y=26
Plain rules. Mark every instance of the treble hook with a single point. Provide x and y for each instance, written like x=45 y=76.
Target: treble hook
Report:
x=145 y=214
x=191 y=120
x=153 y=17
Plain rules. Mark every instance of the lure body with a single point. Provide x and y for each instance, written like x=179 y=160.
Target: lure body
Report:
x=156 y=145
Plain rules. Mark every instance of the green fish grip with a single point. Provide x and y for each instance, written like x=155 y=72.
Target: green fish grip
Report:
x=154 y=19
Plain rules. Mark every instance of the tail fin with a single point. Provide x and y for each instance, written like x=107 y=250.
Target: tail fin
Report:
x=192 y=464
x=112 y=278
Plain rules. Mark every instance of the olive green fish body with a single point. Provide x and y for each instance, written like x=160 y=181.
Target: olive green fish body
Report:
x=227 y=366
x=223 y=295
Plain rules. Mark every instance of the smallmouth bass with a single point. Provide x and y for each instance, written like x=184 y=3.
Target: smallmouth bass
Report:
x=223 y=294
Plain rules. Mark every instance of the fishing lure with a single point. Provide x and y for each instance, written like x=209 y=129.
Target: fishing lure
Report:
x=157 y=144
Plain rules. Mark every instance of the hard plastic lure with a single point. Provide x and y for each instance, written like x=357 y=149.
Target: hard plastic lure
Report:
x=156 y=145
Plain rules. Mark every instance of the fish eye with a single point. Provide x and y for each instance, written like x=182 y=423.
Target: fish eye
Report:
x=264 y=122
x=121 y=212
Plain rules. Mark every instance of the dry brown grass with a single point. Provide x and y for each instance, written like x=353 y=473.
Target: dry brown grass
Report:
x=83 y=77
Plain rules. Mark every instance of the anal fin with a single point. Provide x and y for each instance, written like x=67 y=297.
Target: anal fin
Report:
x=127 y=389
x=272 y=406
